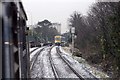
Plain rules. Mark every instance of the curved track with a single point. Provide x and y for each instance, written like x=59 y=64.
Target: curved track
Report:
x=54 y=65
x=78 y=75
x=35 y=58
x=54 y=68
x=34 y=50
x=67 y=62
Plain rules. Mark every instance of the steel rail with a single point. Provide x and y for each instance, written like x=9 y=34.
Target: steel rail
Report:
x=36 y=55
x=52 y=65
x=67 y=62
x=34 y=50
x=64 y=59
x=91 y=74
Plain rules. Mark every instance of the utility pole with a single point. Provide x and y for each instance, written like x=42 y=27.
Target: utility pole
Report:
x=73 y=32
x=28 y=55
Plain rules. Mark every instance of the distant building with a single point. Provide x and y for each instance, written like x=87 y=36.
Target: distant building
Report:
x=57 y=26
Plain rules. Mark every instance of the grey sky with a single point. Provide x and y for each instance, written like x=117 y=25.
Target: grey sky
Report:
x=54 y=10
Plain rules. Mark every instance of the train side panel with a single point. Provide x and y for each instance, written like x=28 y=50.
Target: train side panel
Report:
x=15 y=57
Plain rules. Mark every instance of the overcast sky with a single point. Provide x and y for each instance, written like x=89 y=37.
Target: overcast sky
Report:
x=54 y=10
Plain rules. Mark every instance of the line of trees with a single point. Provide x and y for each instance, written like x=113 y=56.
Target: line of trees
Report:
x=99 y=31
x=44 y=32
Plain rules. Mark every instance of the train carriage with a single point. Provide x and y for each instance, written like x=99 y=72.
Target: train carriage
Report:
x=57 y=40
x=15 y=57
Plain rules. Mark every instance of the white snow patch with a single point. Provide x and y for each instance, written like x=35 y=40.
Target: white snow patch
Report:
x=42 y=68
x=33 y=53
x=62 y=68
x=31 y=49
x=83 y=67
x=63 y=51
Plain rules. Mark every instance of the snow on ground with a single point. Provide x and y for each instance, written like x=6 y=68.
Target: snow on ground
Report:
x=82 y=66
x=47 y=70
x=75 y=64
x=78 y=67
x=31 y=49
x=62 y=68
x=63 y=51
x=42 y=67
x=93 y=70
x=33 y=53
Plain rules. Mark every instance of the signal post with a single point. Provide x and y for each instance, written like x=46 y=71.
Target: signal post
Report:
x=73 y=32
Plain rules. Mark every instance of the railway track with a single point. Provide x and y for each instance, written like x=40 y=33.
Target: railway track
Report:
x=74 y=71
x=78 y=75
x=62 y=69
x=54 y=68
x=35 y=58
x=34 y=50
x=52 y=65
x=67 y=62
